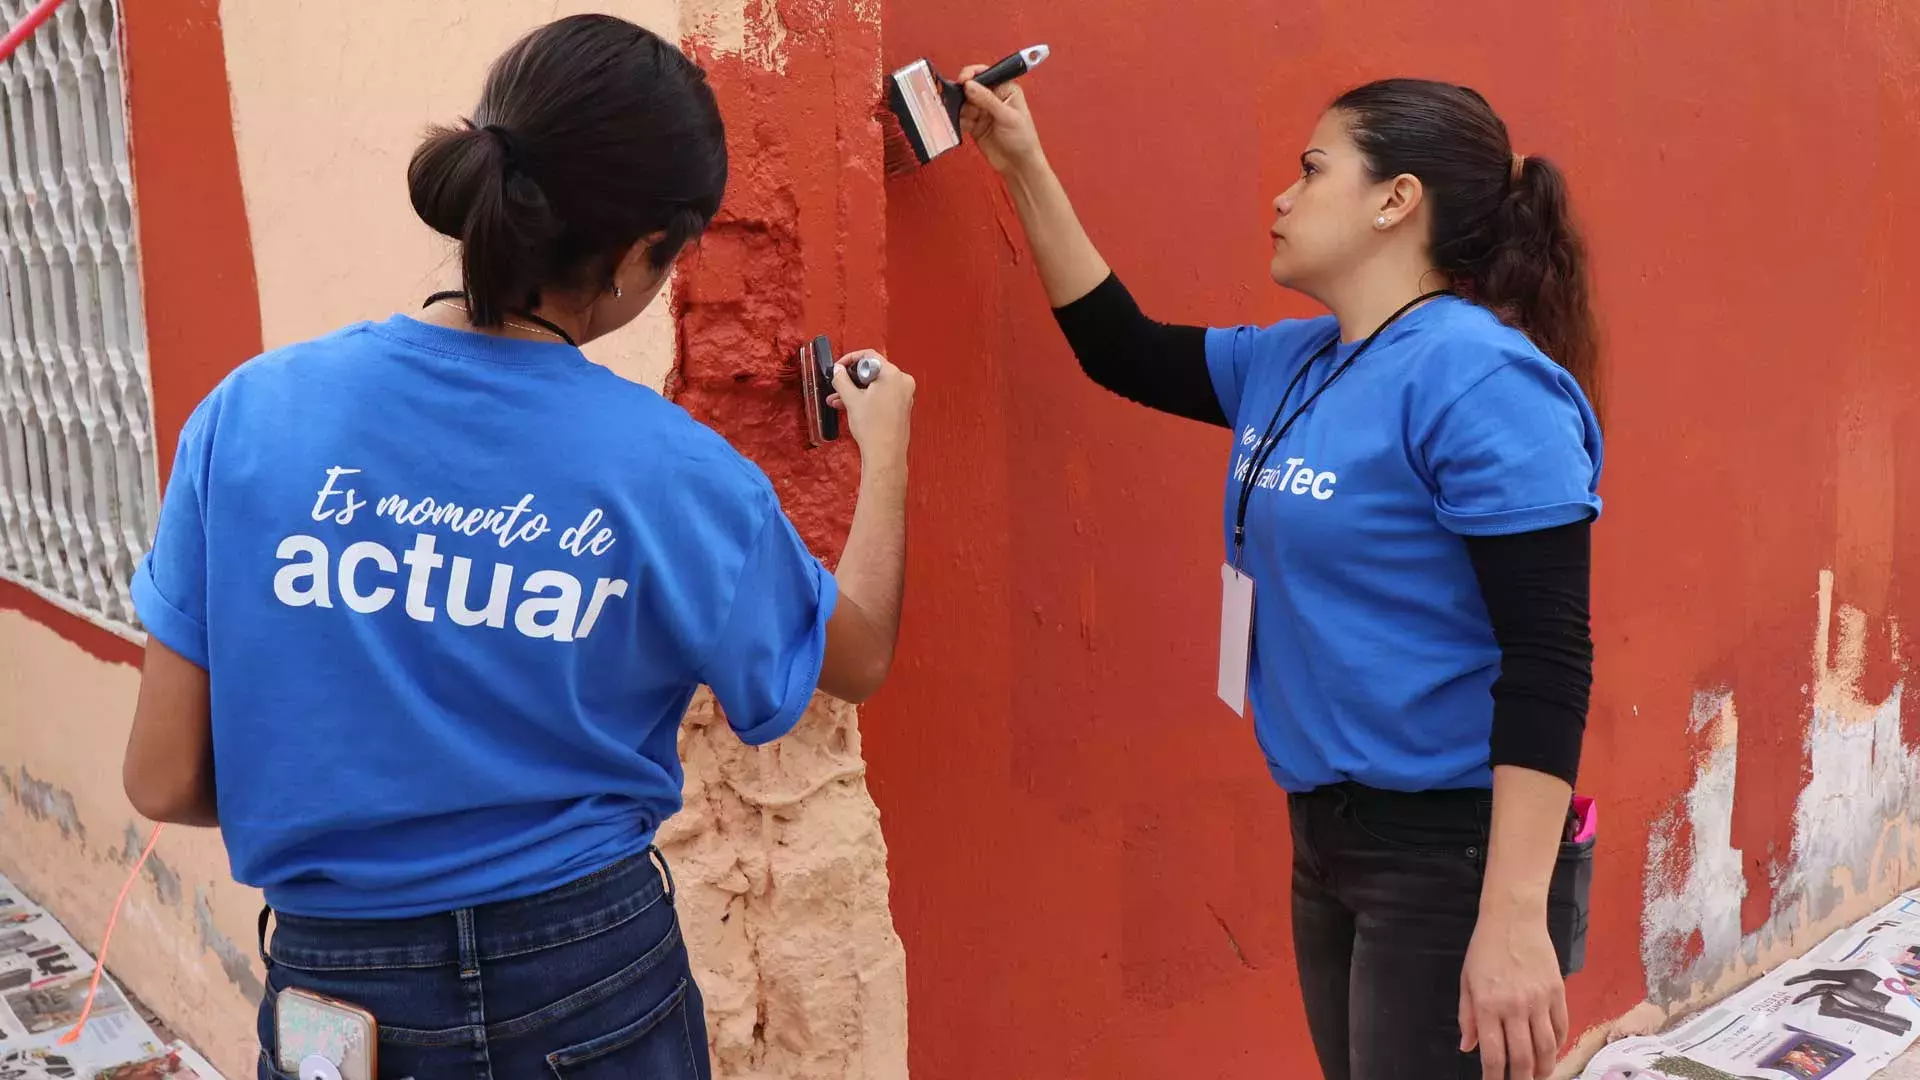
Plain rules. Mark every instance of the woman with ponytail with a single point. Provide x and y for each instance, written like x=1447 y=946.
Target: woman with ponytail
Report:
x=1410 y=494
x=430 y=595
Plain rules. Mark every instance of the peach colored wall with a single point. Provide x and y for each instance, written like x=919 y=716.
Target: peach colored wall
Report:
x=67 y=835
x=779 y=853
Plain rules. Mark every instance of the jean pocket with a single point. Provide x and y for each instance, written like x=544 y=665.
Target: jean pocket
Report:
x=1569 y=900
x=658 y=1045
x=1448 y=830
x=267 y=1070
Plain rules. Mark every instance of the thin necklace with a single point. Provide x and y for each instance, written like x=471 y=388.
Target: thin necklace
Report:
x=504 y=321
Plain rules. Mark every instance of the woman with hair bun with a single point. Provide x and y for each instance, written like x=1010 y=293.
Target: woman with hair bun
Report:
x=430 y=595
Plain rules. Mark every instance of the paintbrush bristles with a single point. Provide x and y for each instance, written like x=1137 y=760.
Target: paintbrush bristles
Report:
x=897 y=149
x=898 y=153
x=919 y=110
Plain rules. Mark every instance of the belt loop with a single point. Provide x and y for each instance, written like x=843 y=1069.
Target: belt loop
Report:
x=266 y=912
x=469 y=943
x=666 y=872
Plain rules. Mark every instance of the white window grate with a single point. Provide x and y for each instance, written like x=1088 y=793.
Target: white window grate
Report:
x=77 y=477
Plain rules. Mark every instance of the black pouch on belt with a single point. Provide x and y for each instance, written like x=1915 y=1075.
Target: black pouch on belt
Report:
x=1569 y=900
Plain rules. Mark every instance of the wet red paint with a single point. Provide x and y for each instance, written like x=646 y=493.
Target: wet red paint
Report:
x=196 y=259
x=797 y=251
x=1089 y=864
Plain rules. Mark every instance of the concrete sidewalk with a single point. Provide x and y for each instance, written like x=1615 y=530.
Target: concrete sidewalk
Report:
x=1907 y=1068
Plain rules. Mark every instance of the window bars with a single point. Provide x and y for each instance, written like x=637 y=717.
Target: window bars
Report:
x=77 y=476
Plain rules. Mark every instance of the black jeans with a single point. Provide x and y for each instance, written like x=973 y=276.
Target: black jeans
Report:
x=1386 y=891
x=587 y=982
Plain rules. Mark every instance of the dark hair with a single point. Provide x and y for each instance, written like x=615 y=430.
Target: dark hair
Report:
x=1503 y=230
x=591 y=134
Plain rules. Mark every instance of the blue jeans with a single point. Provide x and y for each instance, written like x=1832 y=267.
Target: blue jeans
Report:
x=590 y=980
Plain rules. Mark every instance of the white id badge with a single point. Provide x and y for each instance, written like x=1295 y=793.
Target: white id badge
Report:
x=1236 y=635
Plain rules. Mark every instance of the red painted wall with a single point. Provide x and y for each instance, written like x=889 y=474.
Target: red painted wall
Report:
x=1089 y=861
x=796 y=251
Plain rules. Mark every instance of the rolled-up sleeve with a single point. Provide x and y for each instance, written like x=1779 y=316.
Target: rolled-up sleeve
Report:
x=766 y=664
x=170 y=584
x=1517 y=452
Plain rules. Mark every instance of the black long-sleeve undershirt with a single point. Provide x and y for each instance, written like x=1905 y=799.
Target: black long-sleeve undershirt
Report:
x=1155 y=364
x=1535 y=584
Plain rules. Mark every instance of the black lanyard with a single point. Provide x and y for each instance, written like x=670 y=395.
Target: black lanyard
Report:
x=527 y=315
x=1271 y=440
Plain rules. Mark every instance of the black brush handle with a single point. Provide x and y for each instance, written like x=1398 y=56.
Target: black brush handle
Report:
x=954 y=95
x=1003 y=72
x=819 y=356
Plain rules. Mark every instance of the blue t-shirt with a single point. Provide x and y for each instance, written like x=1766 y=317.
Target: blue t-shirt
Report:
x=454 y=593
x=1373 y=655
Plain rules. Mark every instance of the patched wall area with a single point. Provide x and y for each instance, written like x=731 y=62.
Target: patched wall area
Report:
x=808 y=978
x=1855 y=828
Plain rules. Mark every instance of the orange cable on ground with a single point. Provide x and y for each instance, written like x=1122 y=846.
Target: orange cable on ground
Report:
x=100 y=962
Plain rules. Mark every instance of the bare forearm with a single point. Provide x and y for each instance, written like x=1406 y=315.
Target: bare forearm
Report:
x=1070 y=267
x=873 y=567
x=163 y=787
x=168 y=769
x=1529 y=817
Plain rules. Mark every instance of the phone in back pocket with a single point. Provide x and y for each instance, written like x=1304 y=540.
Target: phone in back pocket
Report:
x=342 y=1034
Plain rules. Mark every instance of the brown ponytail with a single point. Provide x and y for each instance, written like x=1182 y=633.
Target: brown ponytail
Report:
x=1505 y=237
x=1535 y=276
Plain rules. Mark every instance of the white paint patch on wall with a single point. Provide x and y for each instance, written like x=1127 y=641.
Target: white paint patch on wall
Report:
x=1856 y=836
x=1695 y=885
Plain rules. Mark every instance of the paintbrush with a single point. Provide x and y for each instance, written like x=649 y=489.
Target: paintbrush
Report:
x=815 y=366
x=922 y=117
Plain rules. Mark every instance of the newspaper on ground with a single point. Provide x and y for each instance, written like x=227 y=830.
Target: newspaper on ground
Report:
x=1843 y=1011
x=44 y=977
x=177 y=1062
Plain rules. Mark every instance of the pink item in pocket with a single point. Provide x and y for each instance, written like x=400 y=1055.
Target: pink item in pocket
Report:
x=1588 y=812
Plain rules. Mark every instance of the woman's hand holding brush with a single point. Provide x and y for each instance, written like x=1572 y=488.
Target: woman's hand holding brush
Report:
x=998 y=120
x=880 y=412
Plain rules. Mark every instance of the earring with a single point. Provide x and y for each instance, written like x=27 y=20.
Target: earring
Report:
x=1380 y=222
x=616 y=292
